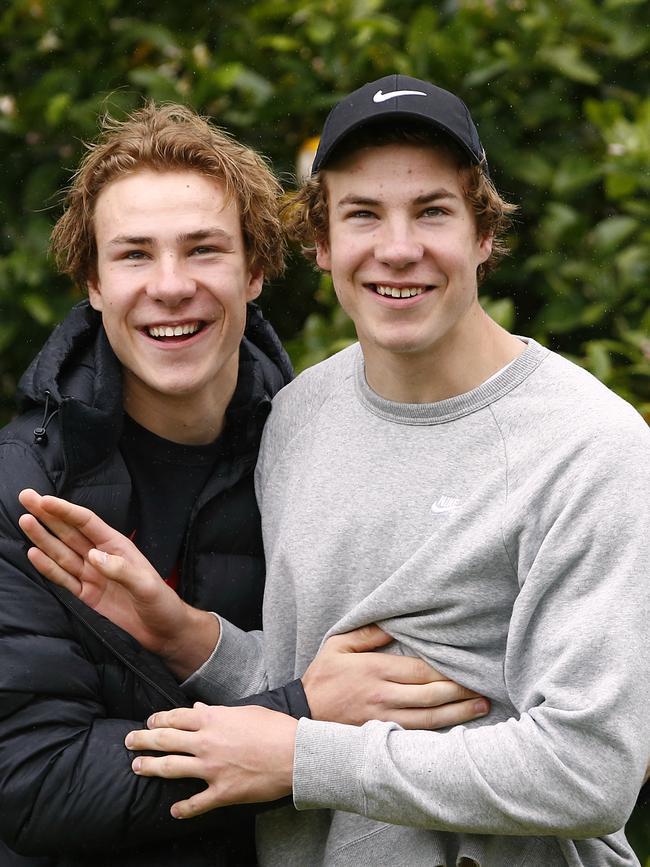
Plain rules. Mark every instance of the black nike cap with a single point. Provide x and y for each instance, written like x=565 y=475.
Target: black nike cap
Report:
x=396 y=97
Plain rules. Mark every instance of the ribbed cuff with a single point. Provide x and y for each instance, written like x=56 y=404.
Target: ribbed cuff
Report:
x=327 y=767
x=234 y=669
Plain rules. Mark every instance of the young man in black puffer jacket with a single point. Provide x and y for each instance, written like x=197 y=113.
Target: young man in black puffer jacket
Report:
x=146 y=405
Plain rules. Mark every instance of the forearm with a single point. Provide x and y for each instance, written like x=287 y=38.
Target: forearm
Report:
x=289 y=699
x=193 y=643
x=502 y=779
x=234 y=669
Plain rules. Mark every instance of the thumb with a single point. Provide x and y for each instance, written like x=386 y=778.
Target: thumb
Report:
x=110 y=565
x=364 y=639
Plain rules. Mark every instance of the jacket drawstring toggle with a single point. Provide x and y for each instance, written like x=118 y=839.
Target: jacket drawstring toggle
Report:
x=40 y=433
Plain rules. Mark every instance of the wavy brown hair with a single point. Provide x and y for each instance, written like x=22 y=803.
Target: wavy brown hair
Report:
x=169 y=138
x=305 y=213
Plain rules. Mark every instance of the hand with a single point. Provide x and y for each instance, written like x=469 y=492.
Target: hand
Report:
x=106 y=571
x=245 y=754
x=348 y=684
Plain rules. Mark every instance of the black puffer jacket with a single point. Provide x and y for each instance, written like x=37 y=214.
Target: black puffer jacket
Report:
x=71 y=683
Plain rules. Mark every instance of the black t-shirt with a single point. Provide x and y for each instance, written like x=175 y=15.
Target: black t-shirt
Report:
x=167 y=480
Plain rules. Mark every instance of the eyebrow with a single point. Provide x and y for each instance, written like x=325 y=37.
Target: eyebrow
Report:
x=433 y=196
x=198 y=235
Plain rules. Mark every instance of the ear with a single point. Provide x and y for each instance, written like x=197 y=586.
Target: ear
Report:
x=484 y=248
x=323 y=256
x=255 y=283
x=95 y=295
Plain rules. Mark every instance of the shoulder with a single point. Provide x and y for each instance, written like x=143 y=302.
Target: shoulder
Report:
x=562 y=399
x=315 y=386
x=23 y=464
x=563 y=425
x=299 y=405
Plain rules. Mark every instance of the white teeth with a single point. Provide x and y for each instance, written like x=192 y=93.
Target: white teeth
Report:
x=173 y=330
x=399 y=293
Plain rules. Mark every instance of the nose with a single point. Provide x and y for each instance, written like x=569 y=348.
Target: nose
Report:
x=397 y=245
x=171 y=283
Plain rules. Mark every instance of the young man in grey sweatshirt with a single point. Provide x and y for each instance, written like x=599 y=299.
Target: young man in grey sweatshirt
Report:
x=481 y=498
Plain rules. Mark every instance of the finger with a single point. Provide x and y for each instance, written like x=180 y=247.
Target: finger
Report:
x=197 y=805
x=404 y=669
x=116 y=568
x=446 y=715
x=168 y=767
x=425 y=695
x=186 y=718
x=53 y=572
x=61 y=529
x=72 y=516
x=166 y=740
x=365 y=638
x=50 y=545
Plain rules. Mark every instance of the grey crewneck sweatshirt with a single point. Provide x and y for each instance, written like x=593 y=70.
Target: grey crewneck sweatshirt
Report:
x=502 y=535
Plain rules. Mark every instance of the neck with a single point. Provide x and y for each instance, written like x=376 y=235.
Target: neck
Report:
x=461 y=362
x=190 y=420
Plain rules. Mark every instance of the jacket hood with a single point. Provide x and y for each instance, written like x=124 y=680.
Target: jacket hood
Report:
x=77 y=380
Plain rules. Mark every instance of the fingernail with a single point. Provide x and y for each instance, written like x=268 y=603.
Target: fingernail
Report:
x=151 y=722
x=481 y=707
x=100 y=557
x=128 y=741
x=135 y=765
x=175 y=812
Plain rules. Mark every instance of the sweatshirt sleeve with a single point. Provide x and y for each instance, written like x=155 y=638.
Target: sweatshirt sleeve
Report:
x=235 y=669
x=577 y=668
x=237 y=666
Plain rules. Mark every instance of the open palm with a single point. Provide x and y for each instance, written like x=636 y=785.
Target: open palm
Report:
x=75 y=549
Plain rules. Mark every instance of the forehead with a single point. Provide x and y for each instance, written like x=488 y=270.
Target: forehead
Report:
x=148 y=199
x=391 y=170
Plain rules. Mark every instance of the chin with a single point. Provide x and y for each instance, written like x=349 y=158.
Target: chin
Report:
x=401 y=345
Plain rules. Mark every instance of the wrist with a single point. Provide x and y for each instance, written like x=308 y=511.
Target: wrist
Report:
x=286 y=749
x=194 y=640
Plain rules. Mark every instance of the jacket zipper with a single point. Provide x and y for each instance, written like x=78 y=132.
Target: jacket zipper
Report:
x=145 y=677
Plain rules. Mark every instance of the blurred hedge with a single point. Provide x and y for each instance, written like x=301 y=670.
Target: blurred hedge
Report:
x=560 y=92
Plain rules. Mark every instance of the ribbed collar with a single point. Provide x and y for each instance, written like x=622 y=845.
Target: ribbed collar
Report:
x=454 y=407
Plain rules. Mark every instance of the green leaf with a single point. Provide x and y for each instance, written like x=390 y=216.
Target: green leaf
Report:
x=566 y=60
x=573 y=174
x=502 y=310
x=599 y=360
x=38 y=308
x=609 y=234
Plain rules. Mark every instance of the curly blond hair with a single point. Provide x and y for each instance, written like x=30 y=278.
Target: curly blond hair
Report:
x=169 y=138
x=305 y=213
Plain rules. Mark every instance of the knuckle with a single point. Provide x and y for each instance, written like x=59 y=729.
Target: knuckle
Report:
x=166 y=765
x=378 y=698
x=420 y=670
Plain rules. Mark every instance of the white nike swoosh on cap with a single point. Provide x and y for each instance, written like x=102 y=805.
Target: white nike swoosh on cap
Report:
x=382 y=97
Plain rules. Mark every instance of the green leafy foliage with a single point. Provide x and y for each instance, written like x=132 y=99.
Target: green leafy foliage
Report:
x=559 y=90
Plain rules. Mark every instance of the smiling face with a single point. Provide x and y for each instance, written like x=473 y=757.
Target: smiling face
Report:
x=172 y=285
x=403 y=251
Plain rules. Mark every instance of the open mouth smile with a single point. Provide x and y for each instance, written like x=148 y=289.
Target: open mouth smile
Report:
x=177 y=333
x=399 y=292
